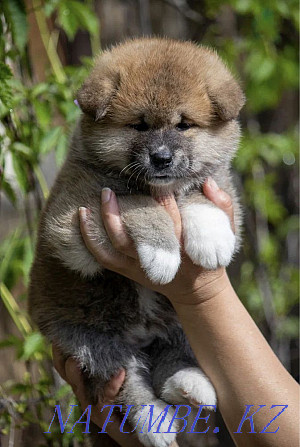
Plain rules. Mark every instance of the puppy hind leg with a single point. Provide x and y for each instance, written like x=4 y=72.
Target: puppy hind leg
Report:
x=99 y=355
x=148 y=414
x=177 y=379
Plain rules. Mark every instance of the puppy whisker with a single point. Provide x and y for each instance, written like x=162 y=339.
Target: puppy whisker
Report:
x=127 y=167
x=134 y=171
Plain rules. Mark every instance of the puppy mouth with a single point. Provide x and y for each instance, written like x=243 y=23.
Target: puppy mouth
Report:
x=142 y=174
x=162 y=176
x=161 y=179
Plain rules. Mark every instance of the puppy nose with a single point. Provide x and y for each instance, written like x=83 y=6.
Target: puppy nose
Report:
x=161 y=159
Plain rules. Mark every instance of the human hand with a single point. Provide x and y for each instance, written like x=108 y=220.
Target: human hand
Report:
x=71 y=373
x=192 y=284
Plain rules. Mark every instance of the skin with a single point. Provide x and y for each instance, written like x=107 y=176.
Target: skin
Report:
x=225 y=340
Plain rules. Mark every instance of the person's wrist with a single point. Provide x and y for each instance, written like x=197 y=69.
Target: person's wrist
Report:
x=208 y=286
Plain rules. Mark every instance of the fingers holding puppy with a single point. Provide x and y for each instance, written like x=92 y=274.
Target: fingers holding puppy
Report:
x=124 y=260
x=125 y=254
x=70 y=371
x=220 y=198
x=114 y=226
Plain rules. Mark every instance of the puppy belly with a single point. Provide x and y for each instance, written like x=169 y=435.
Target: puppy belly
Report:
x=157 y=318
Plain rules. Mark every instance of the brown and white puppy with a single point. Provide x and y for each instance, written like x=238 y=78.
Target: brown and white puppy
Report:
x=160 y=116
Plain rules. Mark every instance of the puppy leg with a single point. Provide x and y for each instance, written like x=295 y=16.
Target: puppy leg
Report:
x=152 y=231
x=99 y=355
x=147 y=409
x=191 y=385
x=208 y=237
x=177 y=378
x=60 y=230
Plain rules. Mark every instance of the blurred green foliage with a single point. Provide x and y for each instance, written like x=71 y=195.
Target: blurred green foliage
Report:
x=37 y=118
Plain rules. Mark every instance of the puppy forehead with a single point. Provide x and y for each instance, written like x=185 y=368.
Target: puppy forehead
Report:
x=157 y=77
x=161 y=93
x=159 y=107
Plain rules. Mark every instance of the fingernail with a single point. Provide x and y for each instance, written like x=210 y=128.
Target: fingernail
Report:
x=212 y=184
x=83 y=213
x=164 y=200
x=105 y=195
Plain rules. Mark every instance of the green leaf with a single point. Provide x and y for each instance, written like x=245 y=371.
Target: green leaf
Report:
x=50 y=7
x=61 y=150
x=39 y=89
x=33 y=343
x=11 y=340
x=73 y=15
x=43 y=112
x=18 y=388
x=291 y=224
x=269 y=250
x=22 y=149
x=63 y=391
x=8 y=190
x=50 y=140
x=21 y=173
x=5 y=87
x=15 y=13
x=67 y=20
x=5 y=72
x=86 y=18
x=27 y=260
x=70 y=111
x=289 y=327
x=9 y=253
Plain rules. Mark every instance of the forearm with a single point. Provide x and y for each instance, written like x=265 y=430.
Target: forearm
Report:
x=241 y=365
x=224 y=338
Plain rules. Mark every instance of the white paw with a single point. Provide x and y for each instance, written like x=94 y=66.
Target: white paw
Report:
x=150 y=438
x=159 y=264
x=208 y=238
x=189 y=384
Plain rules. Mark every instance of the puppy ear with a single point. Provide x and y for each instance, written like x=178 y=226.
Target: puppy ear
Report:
x=95 y=95
x=227 y=99
x=223 y=90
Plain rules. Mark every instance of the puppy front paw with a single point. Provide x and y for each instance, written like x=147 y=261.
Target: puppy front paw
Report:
x=160 y=265
x=208 y=238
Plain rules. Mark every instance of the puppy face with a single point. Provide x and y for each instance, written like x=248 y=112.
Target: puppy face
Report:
x=160 y=112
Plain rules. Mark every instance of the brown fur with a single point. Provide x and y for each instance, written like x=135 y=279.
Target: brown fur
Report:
x=177 y=76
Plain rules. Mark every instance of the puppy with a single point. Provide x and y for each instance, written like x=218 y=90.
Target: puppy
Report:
x=159 y=117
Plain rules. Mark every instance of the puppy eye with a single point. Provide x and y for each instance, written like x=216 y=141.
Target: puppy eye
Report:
x=182 y=126
x=141 y=127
